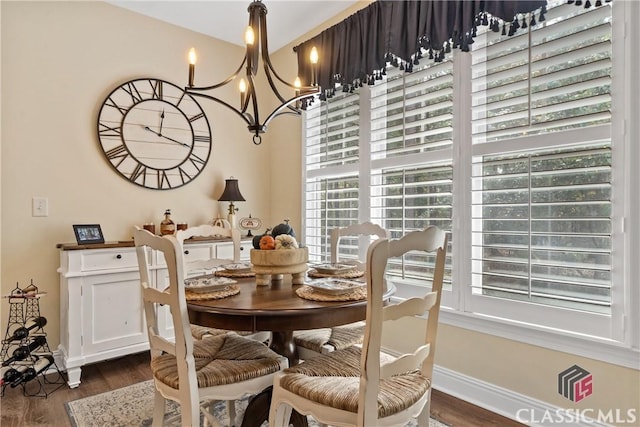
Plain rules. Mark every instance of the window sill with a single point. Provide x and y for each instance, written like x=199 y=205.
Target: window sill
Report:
x=606 y=351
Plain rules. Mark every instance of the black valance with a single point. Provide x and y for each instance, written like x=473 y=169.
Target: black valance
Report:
x=356 y=50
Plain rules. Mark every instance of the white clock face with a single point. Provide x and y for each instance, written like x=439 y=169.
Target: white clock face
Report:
x=154 y=134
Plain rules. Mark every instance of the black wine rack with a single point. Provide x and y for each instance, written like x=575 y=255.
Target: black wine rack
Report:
x=27 y=360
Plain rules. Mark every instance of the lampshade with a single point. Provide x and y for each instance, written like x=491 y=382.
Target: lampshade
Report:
x=231 y=192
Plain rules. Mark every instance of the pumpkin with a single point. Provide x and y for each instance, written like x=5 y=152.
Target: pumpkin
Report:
x=267 y=243
x=284 y=241
x=256 y=239
x=283 y=228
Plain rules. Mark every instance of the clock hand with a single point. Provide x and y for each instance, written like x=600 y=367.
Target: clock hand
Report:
x=161 y=120
x=173 y=140
x=166 y=137
x=151 y=130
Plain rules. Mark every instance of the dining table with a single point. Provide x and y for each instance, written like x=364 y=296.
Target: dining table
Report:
x=278 y=308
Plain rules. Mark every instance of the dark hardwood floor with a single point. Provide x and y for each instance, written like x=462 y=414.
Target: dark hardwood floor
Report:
x=19 y=411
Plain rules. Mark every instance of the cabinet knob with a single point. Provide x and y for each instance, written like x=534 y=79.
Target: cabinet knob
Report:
x=242 y=248
x=186 y=252
x=119 y=256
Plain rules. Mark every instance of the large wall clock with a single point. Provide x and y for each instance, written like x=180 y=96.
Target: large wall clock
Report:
x=154 y=134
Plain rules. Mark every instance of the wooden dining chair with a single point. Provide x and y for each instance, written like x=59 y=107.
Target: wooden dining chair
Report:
x=195 y=373
x=361 y=386
x=354 y=238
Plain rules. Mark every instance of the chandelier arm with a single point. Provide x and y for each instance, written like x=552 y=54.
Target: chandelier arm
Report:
x=219 y=101
x=287 y=103
x=254 y=99
x=226 y=81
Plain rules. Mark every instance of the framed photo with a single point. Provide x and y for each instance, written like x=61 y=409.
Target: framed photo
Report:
x=87 y=234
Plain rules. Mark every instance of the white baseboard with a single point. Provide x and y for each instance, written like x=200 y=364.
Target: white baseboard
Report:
x=507 y=403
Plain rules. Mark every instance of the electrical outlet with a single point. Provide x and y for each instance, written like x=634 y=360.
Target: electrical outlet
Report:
x=40 y=206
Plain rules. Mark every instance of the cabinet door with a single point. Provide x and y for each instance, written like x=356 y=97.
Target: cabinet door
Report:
x=225 y=250
x=112 y=312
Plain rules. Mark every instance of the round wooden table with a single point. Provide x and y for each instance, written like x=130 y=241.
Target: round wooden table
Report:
x=276 y=308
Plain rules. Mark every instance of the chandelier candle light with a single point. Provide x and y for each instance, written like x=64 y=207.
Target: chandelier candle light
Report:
x=257 y=46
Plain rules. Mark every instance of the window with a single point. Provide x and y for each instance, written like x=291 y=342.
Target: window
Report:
x=511 y=149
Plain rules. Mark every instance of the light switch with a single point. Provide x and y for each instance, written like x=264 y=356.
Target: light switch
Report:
x=40 y=206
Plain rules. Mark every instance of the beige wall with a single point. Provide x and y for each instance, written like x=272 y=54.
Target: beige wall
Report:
x=59 y=60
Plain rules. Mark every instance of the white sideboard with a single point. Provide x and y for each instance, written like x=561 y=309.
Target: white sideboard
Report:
x=101 y=312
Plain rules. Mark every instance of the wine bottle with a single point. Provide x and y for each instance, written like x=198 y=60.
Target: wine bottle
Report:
x=11 y=374
x=24 y=351
x=33 y=371
x=23 y=331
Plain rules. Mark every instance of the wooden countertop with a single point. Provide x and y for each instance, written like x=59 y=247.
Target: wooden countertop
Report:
x=130 y=243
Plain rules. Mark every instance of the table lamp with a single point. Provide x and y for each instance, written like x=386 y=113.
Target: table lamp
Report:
x=231 y=194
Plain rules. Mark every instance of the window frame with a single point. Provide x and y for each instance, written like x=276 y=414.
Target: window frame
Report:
x=622 y=345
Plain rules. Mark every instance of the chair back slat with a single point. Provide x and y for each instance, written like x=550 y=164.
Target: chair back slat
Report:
x=405 y=363
x=411 y=307
x=365 y=229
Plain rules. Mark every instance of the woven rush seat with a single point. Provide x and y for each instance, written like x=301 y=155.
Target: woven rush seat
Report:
x=325 y=340
x=221 y=359
x=200 y=332
x=334 y=380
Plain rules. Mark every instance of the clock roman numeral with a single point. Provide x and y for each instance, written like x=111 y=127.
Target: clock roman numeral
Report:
x=111 y=103
x=156 y=88
x=202 y=138
x=120 y=152
x=106 y=130
x=181 y=98
x=132 y=90
x=197 y=162
x=163 y=180
x=139 y=170
x=184 y=176
x=196 y=117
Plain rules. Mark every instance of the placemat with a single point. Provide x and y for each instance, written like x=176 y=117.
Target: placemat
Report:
x=352 y=274
x=222 y=293
x=227 y=273
x=307 y=292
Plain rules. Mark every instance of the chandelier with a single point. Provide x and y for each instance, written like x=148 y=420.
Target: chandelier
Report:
x=257 y=46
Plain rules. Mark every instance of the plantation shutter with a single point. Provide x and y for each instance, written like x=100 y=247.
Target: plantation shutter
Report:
x=541 y=217
x=331 y=187
x=555 y=76
x=411 y=166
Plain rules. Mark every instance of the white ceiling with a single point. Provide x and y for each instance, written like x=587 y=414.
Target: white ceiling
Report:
x=227 y=19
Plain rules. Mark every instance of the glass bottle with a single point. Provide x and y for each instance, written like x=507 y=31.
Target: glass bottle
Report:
x=167 y=226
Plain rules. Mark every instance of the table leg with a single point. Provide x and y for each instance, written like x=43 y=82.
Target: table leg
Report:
x=257 y=410
x=282 y=343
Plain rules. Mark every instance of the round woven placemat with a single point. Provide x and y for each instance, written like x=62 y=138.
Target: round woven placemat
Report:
x=353 y=274
x=222 y=293
x=307 y=292
x=226 y=273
